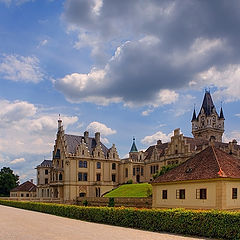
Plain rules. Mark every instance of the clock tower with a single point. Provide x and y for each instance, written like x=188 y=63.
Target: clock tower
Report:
x=208 y=124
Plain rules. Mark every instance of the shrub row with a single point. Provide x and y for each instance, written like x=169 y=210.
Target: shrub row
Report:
x=214 y=224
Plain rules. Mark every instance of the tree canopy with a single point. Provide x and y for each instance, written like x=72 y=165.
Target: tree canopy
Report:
x=8 y=181
x=164 y=170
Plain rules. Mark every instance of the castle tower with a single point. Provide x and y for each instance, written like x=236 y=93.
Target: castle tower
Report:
x=208 y=124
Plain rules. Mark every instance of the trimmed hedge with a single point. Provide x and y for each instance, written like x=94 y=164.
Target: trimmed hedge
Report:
x=213 y=224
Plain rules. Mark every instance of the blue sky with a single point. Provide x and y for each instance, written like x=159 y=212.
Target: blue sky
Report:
x=124 y=68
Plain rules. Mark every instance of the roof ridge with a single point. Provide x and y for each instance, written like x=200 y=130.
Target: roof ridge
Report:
x=220 y=172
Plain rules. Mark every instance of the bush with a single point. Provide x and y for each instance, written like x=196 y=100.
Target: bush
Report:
x=212 y=224
x=85 y=203
x=111 y=202
x=130 y=181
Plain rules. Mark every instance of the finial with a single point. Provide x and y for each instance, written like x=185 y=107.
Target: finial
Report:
x=59 y=116
x=133 y=138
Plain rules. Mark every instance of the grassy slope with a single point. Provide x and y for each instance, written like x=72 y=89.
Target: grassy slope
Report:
x=131 y=190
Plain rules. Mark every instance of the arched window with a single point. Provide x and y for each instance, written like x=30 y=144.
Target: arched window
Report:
x=113 y=155
x=114 y=166
x=60 y=177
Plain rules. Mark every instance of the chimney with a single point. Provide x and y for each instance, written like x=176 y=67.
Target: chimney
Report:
x=86 y=134
x=97 y=137
x=159 y=142
x=31 y=180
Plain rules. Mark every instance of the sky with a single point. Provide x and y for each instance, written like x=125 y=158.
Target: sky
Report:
x=124 y=68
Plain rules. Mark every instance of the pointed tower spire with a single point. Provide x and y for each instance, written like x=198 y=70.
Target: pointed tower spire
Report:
x=59 y=122
x=194 y=114
x=207 y=104
x=221 y=114
x=134 y=147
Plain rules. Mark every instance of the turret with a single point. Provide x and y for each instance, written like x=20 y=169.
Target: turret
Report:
x=208 y=124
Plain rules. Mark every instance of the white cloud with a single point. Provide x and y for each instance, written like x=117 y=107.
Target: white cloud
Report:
x=17 y=2
x=148 y=140
x=147 y=112
x=17 y=160
x=42 y=43
x=237 y=115
x=18 y=68
x=226 y=79
x=94 y=127
x=228 y=137
x=26 y=129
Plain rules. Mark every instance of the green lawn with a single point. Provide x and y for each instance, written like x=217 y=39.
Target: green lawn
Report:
x=131 y=190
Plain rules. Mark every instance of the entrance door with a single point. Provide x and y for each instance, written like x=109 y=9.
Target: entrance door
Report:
x=138 y=178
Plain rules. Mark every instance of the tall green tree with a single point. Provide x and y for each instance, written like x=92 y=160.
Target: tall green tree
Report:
x=164 y=170
x=8 y=181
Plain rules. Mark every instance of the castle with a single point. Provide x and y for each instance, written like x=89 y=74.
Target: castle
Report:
x=83 y=166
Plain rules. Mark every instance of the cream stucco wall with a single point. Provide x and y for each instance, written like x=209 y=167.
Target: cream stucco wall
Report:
x=190 y=200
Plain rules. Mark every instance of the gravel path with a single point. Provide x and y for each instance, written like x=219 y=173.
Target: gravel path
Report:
x=19 y=224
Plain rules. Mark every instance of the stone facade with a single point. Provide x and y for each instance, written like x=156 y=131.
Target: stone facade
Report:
x=84 y=167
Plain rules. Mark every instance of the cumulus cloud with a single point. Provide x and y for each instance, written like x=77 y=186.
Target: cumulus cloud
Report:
x=155 y=51
x=26 y=129
x=19 y=68
x=228 y=137
x=152 y=139
x=94 y=127
x=17 y=160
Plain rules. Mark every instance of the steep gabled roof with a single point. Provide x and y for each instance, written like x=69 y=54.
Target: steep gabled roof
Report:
x=73 y=141
x=46 y=163
x=221 y=114
x=210 y=163
x=194 y=115
x=160 y=150
x=25 y=187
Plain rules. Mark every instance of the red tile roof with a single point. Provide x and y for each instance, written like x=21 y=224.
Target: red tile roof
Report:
x=208 y=164
x=25 y=187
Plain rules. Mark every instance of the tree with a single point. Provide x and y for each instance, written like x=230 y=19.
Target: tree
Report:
x=164 y=170
x=8 y=181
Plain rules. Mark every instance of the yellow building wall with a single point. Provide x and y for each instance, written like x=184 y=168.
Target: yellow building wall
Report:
x=232 y=203
x=190 y=200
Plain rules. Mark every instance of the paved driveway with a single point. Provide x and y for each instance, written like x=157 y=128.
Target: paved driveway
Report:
x=19 y=224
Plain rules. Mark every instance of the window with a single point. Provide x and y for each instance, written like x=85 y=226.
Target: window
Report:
x=134 y=171
x=98 y=193
x=82 y=176
x=234 y=193
x=201 y=193
x=46 y=171
x=141 y=171
x=113 y=155
x=85 y=177
x=113 y=177
x=46 y=180
x=60 y=177
x=82 y=152
x=98 y=165
x=126 y=172
x=98 y=177
x=82 y=194
x=80 y=164
x=22 y=195
x=114 y=166
x=164 y=194
x=27 y=195
x=151 y=169
x=180 y=194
